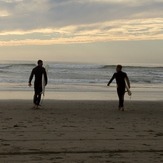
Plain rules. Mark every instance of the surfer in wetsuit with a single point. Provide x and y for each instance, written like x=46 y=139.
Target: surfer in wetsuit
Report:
x=120 y=77
x=38 y=72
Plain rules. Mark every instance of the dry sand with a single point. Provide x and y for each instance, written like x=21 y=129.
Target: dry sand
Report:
x=81 y=132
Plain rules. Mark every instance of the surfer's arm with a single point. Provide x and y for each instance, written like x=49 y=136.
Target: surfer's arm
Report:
x=111 y=80
x=30 y=78
x=128 y=81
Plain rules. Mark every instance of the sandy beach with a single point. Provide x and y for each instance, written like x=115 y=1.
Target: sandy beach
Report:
x=81 y=131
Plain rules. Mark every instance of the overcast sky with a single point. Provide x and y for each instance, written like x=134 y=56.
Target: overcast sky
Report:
x=101 y=31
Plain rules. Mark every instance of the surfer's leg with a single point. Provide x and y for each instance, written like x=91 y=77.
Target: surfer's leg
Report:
x=35 y=95
x=38 y=99
x=121 y=93
x=39 y=95
x=119 y=97
x=122 y=102
x=35 y=98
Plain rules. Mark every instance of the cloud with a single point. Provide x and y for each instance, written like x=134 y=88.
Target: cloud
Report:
x=76 y=21
x=4 y=13
x=139 y=29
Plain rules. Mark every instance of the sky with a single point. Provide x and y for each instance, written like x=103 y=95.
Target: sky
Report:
x=98 y=31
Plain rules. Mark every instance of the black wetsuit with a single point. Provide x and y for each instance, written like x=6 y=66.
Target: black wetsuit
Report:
x=120 y=80
x=38 y=71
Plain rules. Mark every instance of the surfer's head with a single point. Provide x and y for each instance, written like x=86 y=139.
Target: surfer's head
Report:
x=40 y=62
x=119 y=68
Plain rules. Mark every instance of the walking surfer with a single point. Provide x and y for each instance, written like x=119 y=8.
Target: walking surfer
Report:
x=38 y=72
x=120 y=77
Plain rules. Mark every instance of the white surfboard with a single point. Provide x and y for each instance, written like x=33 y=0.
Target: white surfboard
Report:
x=43 y=85
x=127 y=88
x=43 y=81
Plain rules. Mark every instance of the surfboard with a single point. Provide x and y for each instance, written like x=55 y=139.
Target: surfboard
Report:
x=127 y=88
x=43 y=81
x=43 y=85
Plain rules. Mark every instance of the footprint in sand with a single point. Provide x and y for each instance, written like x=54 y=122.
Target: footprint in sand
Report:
x=159 y=134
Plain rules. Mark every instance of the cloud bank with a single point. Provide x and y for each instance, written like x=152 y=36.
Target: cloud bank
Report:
x=46 y=22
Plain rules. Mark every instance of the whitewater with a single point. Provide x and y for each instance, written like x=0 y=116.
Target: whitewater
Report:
x=66 y=79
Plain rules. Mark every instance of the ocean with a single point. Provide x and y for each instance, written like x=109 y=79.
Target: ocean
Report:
x=79 y=77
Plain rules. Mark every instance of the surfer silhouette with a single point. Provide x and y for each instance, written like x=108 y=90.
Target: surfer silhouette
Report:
x=38 y=72
x=120 y=77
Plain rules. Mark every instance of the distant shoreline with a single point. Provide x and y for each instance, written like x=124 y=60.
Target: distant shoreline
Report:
x=108 y=95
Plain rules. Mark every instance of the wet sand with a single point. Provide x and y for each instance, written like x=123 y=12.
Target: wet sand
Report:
x=81 y=131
